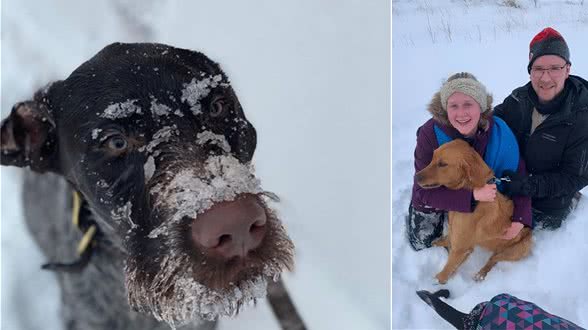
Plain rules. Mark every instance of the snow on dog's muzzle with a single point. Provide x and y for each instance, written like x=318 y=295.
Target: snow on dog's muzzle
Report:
x=236 y=244
x=189 y=193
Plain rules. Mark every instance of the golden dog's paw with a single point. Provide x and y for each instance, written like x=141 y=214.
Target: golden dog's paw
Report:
x=443 y=241
x=441 y=278
x=479 y=277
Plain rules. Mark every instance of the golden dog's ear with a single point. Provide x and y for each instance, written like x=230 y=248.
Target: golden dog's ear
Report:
x=476 y=171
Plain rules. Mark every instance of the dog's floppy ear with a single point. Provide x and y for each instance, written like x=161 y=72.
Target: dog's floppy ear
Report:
x=476 y=170
x=28 y=137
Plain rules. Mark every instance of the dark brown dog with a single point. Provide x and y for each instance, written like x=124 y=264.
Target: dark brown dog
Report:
x=456 y=165
x=155 y=143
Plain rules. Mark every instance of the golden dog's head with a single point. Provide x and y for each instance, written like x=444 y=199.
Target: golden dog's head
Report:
x=455 y=165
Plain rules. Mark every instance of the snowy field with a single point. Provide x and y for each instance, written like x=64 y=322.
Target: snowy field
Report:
x=432 y=39
x=312 y=76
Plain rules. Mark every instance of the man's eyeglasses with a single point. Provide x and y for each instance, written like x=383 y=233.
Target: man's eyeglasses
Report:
x=554 y=71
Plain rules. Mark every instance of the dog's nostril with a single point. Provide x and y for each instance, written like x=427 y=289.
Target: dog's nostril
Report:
x=224 y=239
x=257 y=227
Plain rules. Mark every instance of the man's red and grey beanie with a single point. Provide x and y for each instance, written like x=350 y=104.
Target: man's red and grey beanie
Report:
x=548 y=42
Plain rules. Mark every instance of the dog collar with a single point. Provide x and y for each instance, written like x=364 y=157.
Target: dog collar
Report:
x=496 y=180
x=87 y=243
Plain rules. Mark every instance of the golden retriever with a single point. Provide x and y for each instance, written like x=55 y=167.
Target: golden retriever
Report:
x=456 y=165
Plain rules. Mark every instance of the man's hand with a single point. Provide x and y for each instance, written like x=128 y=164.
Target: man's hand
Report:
x=512 y=231
x=486 y=193
x=516 y=184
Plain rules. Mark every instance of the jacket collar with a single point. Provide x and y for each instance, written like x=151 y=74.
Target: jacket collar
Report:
x=478 y=141
x=576 y=100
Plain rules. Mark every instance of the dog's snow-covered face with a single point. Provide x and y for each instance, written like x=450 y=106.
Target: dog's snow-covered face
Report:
x=156 y=141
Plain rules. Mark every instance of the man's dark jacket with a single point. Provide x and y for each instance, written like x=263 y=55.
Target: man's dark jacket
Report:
x=556 y=154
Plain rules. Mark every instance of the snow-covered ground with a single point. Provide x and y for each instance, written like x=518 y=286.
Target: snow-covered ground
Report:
x=313 y=77
x=432 y=39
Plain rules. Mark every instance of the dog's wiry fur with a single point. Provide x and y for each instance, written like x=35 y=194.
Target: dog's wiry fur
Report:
x=456 y=165
x=151 y=136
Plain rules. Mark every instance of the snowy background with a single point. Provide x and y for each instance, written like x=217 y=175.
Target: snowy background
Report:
x=312 y=76
x=432 y=39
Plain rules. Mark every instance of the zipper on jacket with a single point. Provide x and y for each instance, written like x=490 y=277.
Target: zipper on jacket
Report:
x=545 y=125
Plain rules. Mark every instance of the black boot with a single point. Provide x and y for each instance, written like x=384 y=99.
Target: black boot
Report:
x=548 y=221
x=450 y=314
x=553 y=219
x=423 y=228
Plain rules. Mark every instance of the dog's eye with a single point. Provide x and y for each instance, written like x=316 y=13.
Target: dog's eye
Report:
x=117 y=143
x=218 y=106
x=442 y=164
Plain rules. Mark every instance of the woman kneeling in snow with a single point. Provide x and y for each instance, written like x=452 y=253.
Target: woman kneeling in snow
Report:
x=462 y=109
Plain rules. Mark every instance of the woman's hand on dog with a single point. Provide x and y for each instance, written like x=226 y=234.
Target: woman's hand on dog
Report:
x=512 y=231
x=486 y=193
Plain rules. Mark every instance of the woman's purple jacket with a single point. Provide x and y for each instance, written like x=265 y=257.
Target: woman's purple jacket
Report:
x=442 y=198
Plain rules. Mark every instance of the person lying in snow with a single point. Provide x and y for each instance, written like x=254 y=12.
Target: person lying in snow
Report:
x=501 y=312
x=549 y=117
x=462 y=109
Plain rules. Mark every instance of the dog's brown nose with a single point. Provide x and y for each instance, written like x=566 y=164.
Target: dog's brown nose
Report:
x=231 y=229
